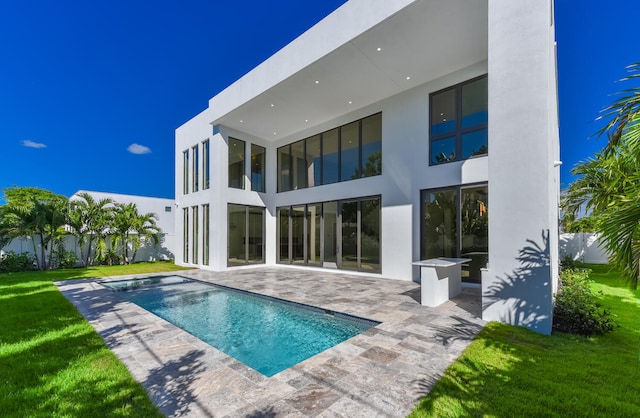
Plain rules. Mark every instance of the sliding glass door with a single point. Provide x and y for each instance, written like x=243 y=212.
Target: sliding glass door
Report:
x=344 y=234
x=245 y=235
x=455 y=223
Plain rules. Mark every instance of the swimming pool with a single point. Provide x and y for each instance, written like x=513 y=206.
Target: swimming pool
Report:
x=267 y=334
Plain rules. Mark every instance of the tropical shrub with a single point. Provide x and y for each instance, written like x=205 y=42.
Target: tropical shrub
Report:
x=568 y=263
x=65 y=259
x=577 y=310
x=11 y=262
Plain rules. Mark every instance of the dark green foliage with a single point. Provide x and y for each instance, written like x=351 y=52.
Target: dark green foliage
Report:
x=577 y=310
x=10 y=262
x=65 y=259
x=568 y=263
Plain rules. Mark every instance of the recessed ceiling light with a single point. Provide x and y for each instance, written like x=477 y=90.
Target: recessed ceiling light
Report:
x=241 y=121
x=275 y=133
x=272 y=105
x=317 y=81
x=350 y=102
x=306 y=120
x=378 y=49
x=408 y=78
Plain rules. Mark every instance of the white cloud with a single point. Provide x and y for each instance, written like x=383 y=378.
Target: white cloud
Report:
x=31 y=144
x=138 y=149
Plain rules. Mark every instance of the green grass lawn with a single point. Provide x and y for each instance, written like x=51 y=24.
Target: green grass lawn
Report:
x=510 y=371
x=52 y=362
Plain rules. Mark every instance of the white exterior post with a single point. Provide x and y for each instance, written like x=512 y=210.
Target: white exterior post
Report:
x=519 y=284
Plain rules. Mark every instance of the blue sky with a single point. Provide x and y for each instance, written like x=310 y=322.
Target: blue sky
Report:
x=91 y=92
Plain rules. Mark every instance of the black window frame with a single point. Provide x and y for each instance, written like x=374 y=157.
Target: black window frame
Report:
x=459 y=131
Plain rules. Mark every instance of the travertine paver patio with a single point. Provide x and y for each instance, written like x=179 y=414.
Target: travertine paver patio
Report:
x=382 y=372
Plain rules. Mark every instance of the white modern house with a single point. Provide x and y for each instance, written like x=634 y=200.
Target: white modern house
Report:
x=392 y=131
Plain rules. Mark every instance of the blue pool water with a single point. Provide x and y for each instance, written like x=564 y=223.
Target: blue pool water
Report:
x=266 y=334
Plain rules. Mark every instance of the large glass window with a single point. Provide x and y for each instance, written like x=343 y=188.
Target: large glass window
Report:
x=350 y=235
x=283 y=235
x=455 y=223
x=194 y=211
x=314 y=172
x=185 y=172
x=330 y=234
x=284 y=168
x=330 y=157
x=372 y=146
x=370 y=235
x=258 y=168
x=195 y=168
x=349 y=151
x=245 y=235
x=344 y=234
x=236 y=163
x=206 y=165
x=314 y=234
x=185 y=235
x=298 y=166
x=459 y=122
x=345 y=153
x=205 y=234
x=297 y=235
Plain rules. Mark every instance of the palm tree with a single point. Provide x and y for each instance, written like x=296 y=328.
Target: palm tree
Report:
x=145 y=229
x=129 y=228
x=609 y=185
x=87 y=219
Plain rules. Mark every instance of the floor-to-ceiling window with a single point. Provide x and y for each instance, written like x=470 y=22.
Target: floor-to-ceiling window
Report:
x=350 y=235
x=330 y=234
x=205 y=234
x=195 y=217
x=337 y=234
x=370 y=234
x=195 y=168
x=245 y=235
x=455 y=223
x=236 y=163
x=348 y=152
x=206 y=165
x=185 y=172
x=258 y=168
x=185 y=235
x=314 y=234
x=283 y=234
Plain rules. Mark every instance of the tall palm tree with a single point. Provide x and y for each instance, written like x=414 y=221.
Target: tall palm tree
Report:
x=145 y=229
x=87 y=219
x=129 y=228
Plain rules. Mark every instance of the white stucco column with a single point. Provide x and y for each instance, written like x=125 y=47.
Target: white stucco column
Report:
x=519 y=283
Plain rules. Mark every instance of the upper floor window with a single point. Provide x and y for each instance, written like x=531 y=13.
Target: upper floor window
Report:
x=459 y=122
x=196 y=166
x=258 y=168
x=348 y=152
x=185 y=172
x=236 y=163
x=205 y=165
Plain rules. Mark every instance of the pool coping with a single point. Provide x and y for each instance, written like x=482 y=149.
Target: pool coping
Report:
x=381 y=372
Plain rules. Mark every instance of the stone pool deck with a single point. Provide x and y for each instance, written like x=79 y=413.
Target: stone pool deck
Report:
x=381 y=372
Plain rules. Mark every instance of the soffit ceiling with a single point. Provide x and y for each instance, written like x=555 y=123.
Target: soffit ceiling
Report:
x=425 y=40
